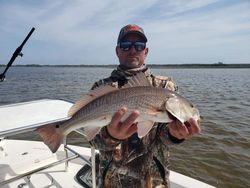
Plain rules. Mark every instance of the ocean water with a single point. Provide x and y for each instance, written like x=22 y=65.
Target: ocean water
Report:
x=220 y=155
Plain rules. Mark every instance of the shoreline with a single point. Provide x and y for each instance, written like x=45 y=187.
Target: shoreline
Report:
x=156 y=66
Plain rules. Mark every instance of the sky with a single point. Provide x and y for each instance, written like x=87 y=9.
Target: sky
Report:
x=85 y=32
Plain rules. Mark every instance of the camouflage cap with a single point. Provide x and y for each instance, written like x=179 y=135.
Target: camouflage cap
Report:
x=131 y=28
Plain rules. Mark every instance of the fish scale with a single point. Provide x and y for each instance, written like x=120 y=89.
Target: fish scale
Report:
x=143 y=98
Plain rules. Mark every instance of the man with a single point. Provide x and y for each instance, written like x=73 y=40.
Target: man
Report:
x=126 y=160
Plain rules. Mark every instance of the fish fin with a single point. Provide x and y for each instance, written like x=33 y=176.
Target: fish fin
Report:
x=90 y=96
x=139 y=79
x=144 y=127
x=90 y=132
x=173 y=107
x=51 y=137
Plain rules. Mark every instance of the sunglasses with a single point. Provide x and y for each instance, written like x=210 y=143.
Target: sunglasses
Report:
x=126 y=46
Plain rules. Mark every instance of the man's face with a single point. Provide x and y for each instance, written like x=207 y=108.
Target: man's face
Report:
x=131 y=59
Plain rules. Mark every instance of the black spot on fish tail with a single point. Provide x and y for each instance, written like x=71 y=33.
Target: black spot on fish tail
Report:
x=187 y=124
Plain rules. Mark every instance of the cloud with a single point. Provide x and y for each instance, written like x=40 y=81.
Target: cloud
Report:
x=196 y=37
x=85 y=32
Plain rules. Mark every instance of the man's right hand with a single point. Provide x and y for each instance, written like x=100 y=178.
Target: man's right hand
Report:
x=122 y=130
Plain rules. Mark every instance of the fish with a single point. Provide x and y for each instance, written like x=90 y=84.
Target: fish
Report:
x=97 y=107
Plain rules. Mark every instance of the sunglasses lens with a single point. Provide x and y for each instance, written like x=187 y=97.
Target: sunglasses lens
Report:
x=125 y=46
x=139 y=46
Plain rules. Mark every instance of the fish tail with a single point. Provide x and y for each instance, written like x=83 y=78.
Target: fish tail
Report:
x=51 y=136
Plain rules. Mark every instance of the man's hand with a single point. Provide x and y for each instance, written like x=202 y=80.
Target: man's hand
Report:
x=186 y=130
x=122 y=130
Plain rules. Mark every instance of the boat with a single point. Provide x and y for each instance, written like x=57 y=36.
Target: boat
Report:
x=28 y=163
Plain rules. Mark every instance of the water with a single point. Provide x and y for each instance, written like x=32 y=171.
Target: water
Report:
x=219 y=156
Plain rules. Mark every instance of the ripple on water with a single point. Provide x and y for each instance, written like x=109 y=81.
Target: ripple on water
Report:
x=219 y=156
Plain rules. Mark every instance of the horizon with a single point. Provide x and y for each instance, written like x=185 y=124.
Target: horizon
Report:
x=80 y=33
x=219 y=64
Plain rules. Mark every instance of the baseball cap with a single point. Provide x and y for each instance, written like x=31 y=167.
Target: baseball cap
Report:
x=131 y=28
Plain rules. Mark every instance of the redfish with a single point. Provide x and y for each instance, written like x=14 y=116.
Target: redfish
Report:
x=95 y=110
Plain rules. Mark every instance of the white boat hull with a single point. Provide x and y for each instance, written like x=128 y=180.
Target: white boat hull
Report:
x=32 y=164
x=19 y=157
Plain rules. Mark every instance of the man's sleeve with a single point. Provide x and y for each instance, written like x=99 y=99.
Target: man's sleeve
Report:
x=103 y=141
x=164 y=82
x=96 y=85
x=166 y=137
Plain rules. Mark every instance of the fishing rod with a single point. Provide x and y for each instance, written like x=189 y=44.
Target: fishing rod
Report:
x=18 y=52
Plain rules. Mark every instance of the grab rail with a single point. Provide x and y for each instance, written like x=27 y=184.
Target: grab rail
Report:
x=65 y=160
x=38 y=169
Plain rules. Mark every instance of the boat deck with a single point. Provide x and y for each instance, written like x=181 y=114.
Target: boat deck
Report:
x=22 y=157
x=32 y=164
x=35 y=162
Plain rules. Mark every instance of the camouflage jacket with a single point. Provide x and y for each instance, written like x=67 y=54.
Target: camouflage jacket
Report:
x=134 y=162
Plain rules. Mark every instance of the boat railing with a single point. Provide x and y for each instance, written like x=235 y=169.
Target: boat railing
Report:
x=65 y=160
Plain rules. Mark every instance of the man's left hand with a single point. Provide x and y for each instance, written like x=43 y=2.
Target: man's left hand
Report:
x=186 y=130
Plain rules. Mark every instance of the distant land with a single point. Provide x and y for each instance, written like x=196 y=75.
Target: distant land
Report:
x=156 y=66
